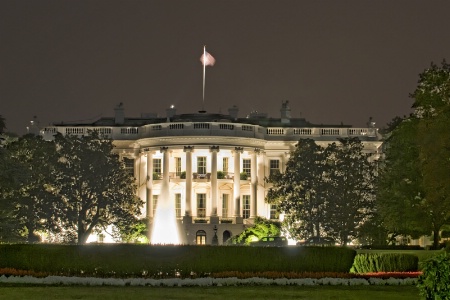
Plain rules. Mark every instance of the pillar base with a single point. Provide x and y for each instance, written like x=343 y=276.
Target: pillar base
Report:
x=187 y=220
x=238 y=220
x=214 y=220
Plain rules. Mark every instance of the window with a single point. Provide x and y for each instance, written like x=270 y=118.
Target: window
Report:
x=201 y=165
x=200 y=237
x=274 y=166
x=177 y=166
x=157 y=166
x=155 y=203
x=246 y=166
x=225 y=165
x=246 y=206
x=201 y=205
x=273 y=212
x=178 y=205
x=225 y=204
x=129 y=165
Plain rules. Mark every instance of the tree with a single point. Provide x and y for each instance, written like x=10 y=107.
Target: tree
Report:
x=30 y=207
x=261 y=228
x=300 y=191
x=2 y=124
x=400 y=193
x=350 y=181
x=94 y=186
x=416 y=173
x=325 y=191
x=432 y=109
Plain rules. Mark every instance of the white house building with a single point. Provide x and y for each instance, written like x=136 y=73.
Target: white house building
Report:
x=211 y=167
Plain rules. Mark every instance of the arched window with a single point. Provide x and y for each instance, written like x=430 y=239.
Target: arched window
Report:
x=200 y=237
x=226 y=236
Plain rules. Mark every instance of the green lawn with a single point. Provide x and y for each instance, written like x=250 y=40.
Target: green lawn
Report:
x=240 y=292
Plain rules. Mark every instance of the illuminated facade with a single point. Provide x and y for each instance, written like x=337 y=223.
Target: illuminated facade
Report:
x=211 y=166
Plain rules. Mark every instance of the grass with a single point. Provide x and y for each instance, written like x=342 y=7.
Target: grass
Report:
x=12 y=292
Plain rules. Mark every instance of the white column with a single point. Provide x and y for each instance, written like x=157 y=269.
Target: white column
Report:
x=165 y=177
x=254 y=184
x=137 y=164
x=214 y=150
x=188 y=205
x=237 y=184
x=149 y=194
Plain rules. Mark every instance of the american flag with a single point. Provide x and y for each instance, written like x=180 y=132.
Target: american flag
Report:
x=207 y=59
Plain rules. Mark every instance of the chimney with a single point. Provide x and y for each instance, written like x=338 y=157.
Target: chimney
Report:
x=233 y=112
x=285 y=112
x=170 y=112
x=119 y=114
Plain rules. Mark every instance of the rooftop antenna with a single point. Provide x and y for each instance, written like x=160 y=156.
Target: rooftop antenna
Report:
x=207 y=60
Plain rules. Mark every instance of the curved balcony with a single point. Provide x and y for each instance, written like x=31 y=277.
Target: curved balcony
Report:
x=238 y=130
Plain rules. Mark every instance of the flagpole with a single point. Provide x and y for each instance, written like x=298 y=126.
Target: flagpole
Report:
x=204 y=75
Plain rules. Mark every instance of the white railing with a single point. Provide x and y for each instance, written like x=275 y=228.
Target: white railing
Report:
x=211 y=129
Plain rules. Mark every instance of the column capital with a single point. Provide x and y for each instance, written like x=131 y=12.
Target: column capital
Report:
x=188 y=148
x=238 y=149
x=214 y=149
x=257 y=151
x=163 y=149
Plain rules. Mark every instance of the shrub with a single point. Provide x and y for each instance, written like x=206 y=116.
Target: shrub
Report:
x=135 y=260
x=243 y=176
x=183 y=175
x=220 y=175
x=434 y=281
x=387 y=262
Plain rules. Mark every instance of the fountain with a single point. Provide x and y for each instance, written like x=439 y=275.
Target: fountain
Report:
x=165 y=228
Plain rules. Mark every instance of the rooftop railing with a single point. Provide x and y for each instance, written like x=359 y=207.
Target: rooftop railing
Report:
x=212 y=129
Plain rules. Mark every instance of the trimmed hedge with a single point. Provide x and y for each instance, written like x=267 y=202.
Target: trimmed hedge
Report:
x=167 y=261
x=385 y=262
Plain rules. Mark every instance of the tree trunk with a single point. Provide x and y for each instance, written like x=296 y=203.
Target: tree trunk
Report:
x=436 y=236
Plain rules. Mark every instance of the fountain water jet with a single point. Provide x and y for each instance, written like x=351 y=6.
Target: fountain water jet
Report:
x=165 y=227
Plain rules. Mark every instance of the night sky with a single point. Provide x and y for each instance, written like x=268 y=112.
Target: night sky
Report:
x=335 y=61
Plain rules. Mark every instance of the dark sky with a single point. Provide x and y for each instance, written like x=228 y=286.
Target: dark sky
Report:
x=335 y=61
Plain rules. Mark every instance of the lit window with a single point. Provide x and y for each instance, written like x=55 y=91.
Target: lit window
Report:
x=274 y=166
x=246 y=206
x=177 y=166
x=273 y=212
x=200 y=237
x=157 y=166
x=225 y=165
x=129 y=165
x=201 y=205
x=178 y=205
x=225 y=204
x=246 y=166
x=201 y=165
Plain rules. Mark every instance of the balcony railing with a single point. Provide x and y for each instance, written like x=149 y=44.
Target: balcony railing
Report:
x=212 y=129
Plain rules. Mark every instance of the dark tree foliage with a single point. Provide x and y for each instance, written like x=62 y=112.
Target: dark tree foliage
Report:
x=31 y=205
x=350 y=185
x=414 y=193
x=325 y=191
x=300 y=191
x=2 y=124
x=94 y=186
x=432 y=104
x=400 y=193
